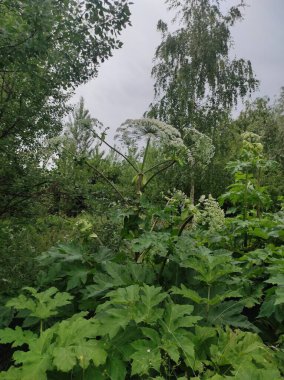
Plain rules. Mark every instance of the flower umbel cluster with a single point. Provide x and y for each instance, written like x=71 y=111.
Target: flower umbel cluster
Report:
x=138 y=129
x=209 y=214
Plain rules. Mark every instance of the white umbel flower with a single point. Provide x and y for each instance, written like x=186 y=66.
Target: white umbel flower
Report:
x=158 y=131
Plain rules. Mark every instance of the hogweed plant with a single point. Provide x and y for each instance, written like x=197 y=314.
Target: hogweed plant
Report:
x=152 y=131
x=247 y=195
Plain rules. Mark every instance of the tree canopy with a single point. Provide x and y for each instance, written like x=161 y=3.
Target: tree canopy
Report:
x=196 y=80
x=47 y=48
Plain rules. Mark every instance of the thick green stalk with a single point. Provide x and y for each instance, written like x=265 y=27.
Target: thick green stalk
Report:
x=158 y=172
x=116 y=151
x=106 y=179
x=145 y=154
x=208 y=299
x=245 y=207
x=141 y=174
x=171 y=248
x=157 y=165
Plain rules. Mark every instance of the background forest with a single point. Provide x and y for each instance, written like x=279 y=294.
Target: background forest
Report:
x=158 y=255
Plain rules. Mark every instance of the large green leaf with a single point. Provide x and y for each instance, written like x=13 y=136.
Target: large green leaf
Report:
x=77 y=277
x=178 y=316
x=38 y=360
x=229 y=313
x=151 y=297
x=175 y=338
x=278 y=279
x=195 y=297
x=17 y=337
x=117 y=275
x=74 y=344
x=64 y=358
x=116 y=368
x=12 y=374
x=91 y=350
x=249 y=372
x=41 y=305
x=132 y=303
x=146 y=356
x=241 y=350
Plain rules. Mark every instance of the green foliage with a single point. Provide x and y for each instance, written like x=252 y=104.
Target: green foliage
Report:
x=21 y=240
x=47 y=50
x=266 y=119
x=39 y=58
x=17 y=337
x=129 y=283
x=247 y=191
x=78 y=131
x=243 y=352
x=59 y=348
x=39 y=306
x=190 y=89
x=171 y=302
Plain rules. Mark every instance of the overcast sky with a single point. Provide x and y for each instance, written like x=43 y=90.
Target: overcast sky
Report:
x=124 y=88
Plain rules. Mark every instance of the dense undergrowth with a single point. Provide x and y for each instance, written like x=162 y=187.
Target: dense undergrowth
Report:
x=181 y=291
